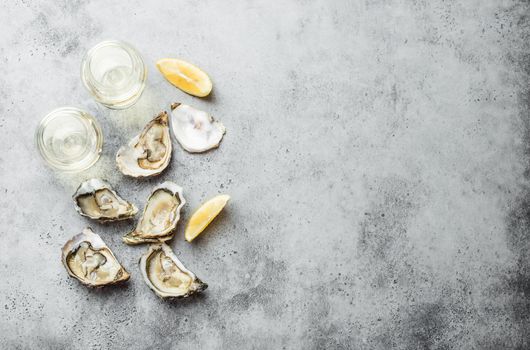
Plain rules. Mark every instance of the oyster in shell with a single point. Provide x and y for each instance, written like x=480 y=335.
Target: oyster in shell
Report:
x=166 y=275
x=160 y=217
x=96 y=199
x=195 y=130
x=149 y=153
x=87 y=258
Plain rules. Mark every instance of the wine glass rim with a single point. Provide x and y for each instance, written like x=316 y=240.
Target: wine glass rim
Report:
x=87 y=118
x=86 y=70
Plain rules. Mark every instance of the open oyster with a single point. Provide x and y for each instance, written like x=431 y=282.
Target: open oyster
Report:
x=149 y=153
x=160 y=217
x=166 y=275
x=97 y=200
x=195 y=130
x=87 y=258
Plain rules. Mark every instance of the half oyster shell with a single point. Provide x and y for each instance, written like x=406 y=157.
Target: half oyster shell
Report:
x=195 y=130
x=166 y=275
x=88 y=259
x=160 y=217
x=149 y=153
x=96 y=199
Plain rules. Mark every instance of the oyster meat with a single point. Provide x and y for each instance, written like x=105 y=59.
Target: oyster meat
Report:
x=149 y=153
x=97 y=200
x=195 y=130
x=87 y=258
x=166 y=275
x=160 y=217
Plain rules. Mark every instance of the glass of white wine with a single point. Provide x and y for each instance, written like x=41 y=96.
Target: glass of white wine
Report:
x=114 y=74
x=69 y=139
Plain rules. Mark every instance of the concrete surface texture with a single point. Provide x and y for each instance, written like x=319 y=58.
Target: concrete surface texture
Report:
x=377 y=156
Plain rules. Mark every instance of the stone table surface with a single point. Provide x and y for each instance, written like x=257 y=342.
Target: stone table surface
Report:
x=377 y=156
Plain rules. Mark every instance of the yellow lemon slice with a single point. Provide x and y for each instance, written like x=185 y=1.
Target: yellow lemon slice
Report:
x=204 y=215
x=187 y=77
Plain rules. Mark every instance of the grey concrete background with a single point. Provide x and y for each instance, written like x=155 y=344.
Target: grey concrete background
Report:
x=377 y=155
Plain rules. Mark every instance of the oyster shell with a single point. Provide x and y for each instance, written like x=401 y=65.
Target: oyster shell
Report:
x=166 y=275
x=87 y=258
x=148 y=153
x=160 y=217
x=96 y=199
x=195 y=130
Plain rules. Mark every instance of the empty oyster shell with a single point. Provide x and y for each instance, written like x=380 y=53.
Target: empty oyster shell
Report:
x=160 y=217
x=87 y=258
x=166 y=275
x=195 y=130
x=149 y=153
x=97 y=200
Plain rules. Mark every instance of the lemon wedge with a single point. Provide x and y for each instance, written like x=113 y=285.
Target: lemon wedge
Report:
x=204 y=215
x=187 y=77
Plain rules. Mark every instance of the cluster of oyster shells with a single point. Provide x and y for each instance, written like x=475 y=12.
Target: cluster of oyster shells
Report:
x=149 y=153
x=87 y=258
